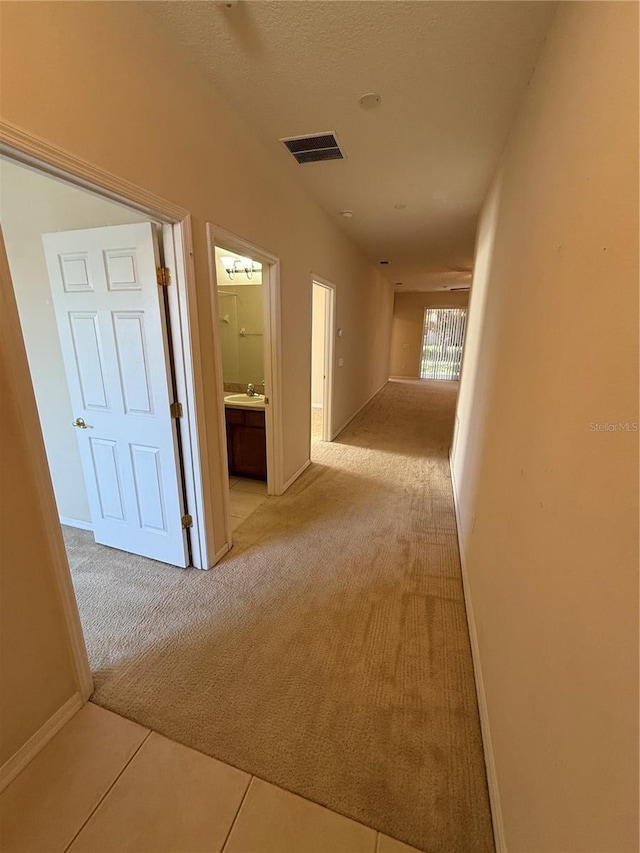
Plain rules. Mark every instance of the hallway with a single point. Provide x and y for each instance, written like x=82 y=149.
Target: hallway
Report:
x=328 y=653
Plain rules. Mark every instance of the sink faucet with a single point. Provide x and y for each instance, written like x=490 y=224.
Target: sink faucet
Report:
x=251 y=391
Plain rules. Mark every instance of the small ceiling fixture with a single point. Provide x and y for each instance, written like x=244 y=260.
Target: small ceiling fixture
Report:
x=383 y=262
x=369 y=101
x=348 y=214
x=399 y=283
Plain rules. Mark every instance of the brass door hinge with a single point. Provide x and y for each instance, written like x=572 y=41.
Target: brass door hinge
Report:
x=176 y=410
x=163 y=275
x=187 y=521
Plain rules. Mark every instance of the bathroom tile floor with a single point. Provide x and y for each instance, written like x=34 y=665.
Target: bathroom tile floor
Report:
x=246 y=496
x=105 y=783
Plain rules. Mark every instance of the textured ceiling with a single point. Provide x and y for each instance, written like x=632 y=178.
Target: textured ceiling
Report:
x=451 y=76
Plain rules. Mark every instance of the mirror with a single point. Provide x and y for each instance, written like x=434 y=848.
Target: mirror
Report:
x=240 y=320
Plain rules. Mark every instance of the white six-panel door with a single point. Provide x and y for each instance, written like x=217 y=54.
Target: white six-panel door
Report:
x=114 y=344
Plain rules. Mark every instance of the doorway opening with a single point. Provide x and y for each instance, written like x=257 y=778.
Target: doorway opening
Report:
x=322 y=344
x=97 y=332
x=245 y=304
x=442 y=343
x=241 y=335
x=122 y=367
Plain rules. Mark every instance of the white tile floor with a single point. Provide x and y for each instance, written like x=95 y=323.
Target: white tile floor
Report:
x=106 y=784
x=246 y=497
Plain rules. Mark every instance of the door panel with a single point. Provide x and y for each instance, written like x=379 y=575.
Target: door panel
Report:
x=108 y=479
x=74 y=268
x=147 y=477
x=133 y=359
x=122 y=269
x=87 y=352
x=114 y=342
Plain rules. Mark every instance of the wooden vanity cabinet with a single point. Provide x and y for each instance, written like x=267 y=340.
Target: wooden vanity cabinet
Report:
x=246 y=442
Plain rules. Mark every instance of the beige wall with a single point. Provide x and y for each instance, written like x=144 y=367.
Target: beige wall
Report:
x=317 y=345
x=36 y=669
x=549 y=506
x=408 y=320
x=32 y=204
x=144 y=114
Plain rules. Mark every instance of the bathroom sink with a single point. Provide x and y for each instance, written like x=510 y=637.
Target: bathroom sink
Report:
x=244 y=401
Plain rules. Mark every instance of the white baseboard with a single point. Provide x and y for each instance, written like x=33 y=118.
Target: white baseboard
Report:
x=40 y=739
x=292 y=480
x=76 y=522
x=357 y=412
x=399 y=376
x=489 y=760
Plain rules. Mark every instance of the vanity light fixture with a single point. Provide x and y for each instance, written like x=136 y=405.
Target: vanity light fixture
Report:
x=242 y=266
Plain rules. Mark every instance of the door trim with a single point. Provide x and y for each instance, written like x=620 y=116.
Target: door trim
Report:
x=217 y=236
x=33 y=151
x=30 y=150
x=177 y=242
x=329 y=353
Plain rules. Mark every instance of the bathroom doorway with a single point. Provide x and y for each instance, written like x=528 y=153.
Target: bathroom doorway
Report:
x=241 y=335
x=245 y=312
x=322 y=339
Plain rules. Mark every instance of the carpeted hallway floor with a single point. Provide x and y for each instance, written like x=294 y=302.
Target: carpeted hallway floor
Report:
x=328 y=652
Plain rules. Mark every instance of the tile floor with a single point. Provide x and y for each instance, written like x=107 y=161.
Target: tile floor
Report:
x=246 y=497
x=107 y=785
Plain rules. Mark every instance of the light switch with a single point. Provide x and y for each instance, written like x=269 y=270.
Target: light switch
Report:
x=340 y=362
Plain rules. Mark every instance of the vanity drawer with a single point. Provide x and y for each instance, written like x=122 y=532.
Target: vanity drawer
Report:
x=234 y=416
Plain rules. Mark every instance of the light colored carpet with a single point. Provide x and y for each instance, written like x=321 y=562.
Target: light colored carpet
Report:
x=328 y=652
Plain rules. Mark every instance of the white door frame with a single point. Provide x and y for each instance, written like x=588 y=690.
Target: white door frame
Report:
x=38 y=154
x=217 y=236
x=329 y=352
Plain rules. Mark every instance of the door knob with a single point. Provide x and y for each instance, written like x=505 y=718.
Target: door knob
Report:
x=79 y=422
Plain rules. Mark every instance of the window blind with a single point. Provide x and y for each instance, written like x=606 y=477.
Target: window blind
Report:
x=442 y=342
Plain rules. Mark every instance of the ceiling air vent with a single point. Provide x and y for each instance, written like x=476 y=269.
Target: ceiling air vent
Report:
x=312 y=149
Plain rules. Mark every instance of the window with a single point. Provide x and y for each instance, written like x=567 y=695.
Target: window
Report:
x=442 y=341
